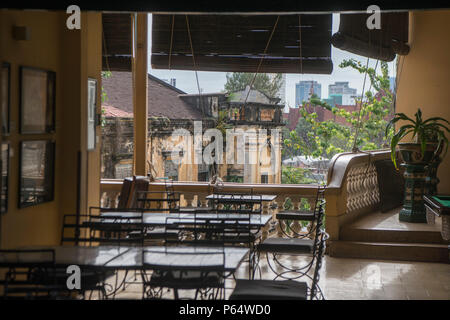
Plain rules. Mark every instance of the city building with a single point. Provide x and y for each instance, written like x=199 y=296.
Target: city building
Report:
x=303 y=90
x=170 y=109
x=392 y=83
x=340 y=87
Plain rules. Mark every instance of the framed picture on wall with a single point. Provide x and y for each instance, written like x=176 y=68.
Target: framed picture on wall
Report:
x=91 y=113
x=5 y=85
x=5 y=178
x=37 y=100
x=36 y=172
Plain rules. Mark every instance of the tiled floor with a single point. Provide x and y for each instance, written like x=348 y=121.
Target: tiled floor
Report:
x=361 y=279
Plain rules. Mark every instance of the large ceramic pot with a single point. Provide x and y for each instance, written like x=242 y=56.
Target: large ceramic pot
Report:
x=431 y=181
x=416 y=171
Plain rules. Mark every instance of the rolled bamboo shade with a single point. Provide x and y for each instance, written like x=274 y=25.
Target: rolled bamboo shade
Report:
x=382 y=44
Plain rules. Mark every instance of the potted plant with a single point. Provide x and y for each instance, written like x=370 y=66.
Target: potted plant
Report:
x=428 y=142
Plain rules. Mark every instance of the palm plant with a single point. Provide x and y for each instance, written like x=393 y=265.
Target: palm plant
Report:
x=427 y=131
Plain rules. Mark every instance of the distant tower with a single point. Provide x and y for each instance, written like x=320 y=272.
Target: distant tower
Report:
x=311 y=91
x=303 y=91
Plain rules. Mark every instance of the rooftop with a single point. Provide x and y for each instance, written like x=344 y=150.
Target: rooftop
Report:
x=163 y=99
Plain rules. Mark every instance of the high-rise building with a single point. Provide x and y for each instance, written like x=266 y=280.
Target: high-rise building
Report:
x=303 y=91
x=341 y=87
x=392 y=84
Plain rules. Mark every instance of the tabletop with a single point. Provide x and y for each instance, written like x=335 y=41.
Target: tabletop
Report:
x=66 y=255
x=161 y=257
x=237 y=197
x=162 y=219
x=122 y=258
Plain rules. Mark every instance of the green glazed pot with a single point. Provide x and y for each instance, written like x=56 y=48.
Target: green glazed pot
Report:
x=411 y=153
x=416 y=171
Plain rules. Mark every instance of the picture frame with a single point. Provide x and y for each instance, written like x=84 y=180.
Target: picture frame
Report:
x=37 y=100
x=91 y=114
x=4 y=191
x=36 y=172
x=5 y=86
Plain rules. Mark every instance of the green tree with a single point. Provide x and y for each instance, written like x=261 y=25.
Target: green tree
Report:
x=237 y=81
x=366 y=125
x=293 y=175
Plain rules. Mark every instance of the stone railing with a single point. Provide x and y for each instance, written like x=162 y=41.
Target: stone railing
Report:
x=352 y=191
x=352 y=188
x=193 y=194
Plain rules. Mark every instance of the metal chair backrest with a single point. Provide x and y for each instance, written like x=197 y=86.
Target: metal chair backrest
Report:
x=117 y=229
x=74 y=231
x=315 y=289
x=245 y=201
x=319 y=212
x=30 y=274
x=158 y=201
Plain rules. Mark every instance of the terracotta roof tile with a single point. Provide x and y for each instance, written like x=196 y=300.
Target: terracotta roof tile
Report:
x=163 y=99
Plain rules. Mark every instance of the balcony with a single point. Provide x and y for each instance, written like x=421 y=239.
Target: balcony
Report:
x=356 y=227
x=362 y=239
x=370 y=255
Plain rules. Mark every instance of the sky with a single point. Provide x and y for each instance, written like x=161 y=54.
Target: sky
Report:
x=215 y=81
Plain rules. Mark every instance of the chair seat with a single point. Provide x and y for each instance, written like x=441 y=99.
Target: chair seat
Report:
x=156 y=233
x=287 y=245
x=296 y=215
x=89 y=278
x=186 y=279
x=269 y=290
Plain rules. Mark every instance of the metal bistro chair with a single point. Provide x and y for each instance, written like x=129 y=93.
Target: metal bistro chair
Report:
x=191 y=246
x=246 y=204
x=157 y=202
x=284 y=289
x=287 y=216
x=307 y=247
x=75 y=231
x=118 y=229
x=30 y=275
x=94 y=230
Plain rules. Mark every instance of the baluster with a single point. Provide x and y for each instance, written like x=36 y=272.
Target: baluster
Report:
x=296 y=201
x=265 y=210
x=202 y=200
x=280 y=207
x=189 y=199
x=113 y=199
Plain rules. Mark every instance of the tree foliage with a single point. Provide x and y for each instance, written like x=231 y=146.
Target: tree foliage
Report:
x=366 y=125
x=238 y=81
x=293 y=175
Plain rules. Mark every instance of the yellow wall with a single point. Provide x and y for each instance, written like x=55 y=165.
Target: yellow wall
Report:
x=424 y=74
x=73 y=55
